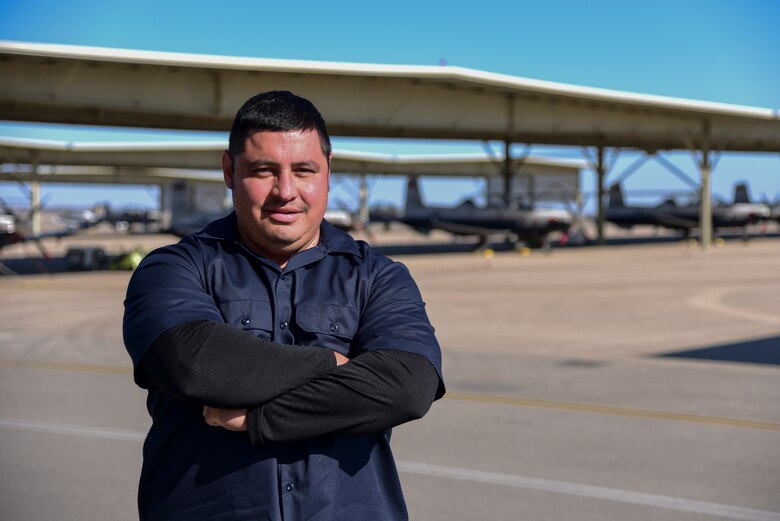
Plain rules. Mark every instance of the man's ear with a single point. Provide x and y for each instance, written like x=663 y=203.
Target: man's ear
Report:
x=227 y=169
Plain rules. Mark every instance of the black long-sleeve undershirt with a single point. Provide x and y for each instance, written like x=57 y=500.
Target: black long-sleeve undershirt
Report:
x=293 y=392
x=218 y=365
x=372 y=393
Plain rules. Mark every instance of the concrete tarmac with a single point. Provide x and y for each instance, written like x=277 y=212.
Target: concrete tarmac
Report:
x=636 y=383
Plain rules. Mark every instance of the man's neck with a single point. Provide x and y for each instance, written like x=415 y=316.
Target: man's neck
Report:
x=281 y=258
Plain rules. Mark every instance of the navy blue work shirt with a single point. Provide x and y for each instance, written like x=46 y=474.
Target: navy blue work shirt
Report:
x=340 y=295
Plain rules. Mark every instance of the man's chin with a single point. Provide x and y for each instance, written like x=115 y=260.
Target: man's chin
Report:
x=285 y=243
x=279 y=240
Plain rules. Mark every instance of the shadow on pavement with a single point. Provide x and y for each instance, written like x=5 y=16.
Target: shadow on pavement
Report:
x=41 y=265
x=761 y=351
x=33 y=265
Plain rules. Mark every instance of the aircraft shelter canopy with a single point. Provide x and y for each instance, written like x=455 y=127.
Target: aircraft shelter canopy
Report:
x=87 y=85
x=158 y=162
x=127 y=88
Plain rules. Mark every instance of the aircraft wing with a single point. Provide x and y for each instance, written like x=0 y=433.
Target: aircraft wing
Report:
x=7 y=239
x=674 y=221
x=465 y=229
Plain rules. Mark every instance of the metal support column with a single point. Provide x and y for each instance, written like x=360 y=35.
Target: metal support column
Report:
x=702 y=157
x=363 y=202
x=507 y=173
x=35 y=200
x=705 y=217
x=165 y=203
x=601 y=172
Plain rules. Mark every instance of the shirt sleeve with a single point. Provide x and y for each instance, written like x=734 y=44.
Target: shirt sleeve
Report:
x=220 y=366
x=394 y=317
x=179 y=343
x=166 y=290
x=373 y=392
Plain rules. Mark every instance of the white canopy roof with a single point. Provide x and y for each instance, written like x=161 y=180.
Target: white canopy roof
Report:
x=87 y=85
x=188 y=156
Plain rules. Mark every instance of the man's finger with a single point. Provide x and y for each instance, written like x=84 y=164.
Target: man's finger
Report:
x=209 y=416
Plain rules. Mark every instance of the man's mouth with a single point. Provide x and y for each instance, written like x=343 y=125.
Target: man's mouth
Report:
x=285 y=215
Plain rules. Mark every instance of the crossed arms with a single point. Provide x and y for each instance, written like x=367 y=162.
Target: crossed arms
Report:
x=283 y=392
x=180 y=345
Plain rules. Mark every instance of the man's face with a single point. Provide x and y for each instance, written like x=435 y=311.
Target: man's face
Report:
x=280 y=191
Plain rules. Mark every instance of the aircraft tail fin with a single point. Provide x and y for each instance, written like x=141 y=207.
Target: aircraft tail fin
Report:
x=616 y=196
x=741 y=194
x=413 y=197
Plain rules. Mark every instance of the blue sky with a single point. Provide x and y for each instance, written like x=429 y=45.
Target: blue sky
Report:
x=716 y=50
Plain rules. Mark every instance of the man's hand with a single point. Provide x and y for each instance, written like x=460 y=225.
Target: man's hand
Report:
x=340 y=359
x=230 y=419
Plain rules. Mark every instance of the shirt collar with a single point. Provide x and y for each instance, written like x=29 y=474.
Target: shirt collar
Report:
x=332 y=240
x=336 y=241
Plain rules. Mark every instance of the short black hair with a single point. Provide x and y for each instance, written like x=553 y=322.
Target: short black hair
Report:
x=277 y=111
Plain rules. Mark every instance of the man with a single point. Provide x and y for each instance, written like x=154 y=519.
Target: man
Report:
x=278 y=352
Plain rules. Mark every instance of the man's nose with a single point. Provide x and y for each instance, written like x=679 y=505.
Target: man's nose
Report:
x=285 y=186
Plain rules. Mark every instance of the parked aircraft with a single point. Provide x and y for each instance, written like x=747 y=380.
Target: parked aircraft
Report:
x=121 y=220
x=774 y=211
x=741 y=196
x=684 y=217
x=529 y=226
x=14 y=229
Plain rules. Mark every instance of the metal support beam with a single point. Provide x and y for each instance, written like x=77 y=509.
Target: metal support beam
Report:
x=601 y=173
x=601 y=167
x=507 y=173
x=509 y=166
x=705 y=218
x=633 y=167
x=165 y=202
x=679 y=174
x=704 y=162
x=363 y=202
x=35 y=200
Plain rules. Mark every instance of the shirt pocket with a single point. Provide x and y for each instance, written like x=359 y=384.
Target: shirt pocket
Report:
x=251 y=315
x=327 y=325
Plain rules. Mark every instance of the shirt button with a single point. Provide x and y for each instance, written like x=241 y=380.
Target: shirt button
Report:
x=245 y=321
x=283 y=325
x=334 y=328
x=290 y=487
x=283 y=276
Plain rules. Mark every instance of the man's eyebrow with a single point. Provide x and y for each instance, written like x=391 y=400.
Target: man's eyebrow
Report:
x=268 y=162
x=261 y=162
x=307 y=164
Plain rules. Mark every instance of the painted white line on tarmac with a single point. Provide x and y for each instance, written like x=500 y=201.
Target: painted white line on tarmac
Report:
x=61 y=428
x=589 y=491
x=511 y=480
x=712 y=301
